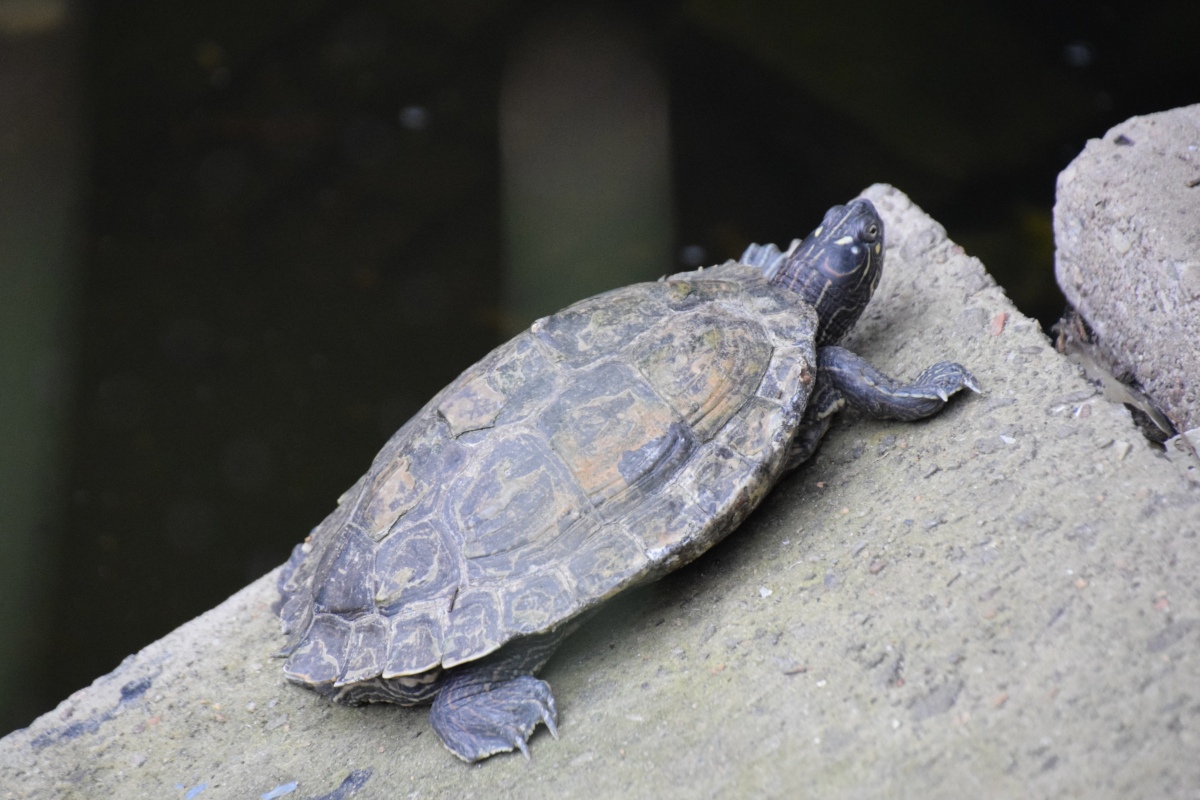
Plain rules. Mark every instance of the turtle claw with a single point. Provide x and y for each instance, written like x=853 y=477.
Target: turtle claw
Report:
x=519 y=743
x=944 y=379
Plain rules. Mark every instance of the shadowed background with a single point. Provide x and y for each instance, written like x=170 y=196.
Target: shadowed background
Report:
x=241 y=243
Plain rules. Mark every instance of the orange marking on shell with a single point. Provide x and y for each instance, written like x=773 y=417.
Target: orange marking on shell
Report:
x=473 y=406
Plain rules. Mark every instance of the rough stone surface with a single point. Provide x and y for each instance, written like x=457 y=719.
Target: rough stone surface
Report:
x=1000 y=601
x=1127 y=231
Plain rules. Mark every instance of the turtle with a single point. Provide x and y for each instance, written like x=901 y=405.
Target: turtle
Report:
x=603 y=447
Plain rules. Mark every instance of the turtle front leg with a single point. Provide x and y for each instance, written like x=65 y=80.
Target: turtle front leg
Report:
x=884 y=397
x=494 y=705
x=844 y=378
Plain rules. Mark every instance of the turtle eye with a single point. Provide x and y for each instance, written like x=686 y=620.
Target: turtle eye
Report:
x=872 y=232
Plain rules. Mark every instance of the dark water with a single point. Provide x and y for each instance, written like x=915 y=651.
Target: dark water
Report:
x=295 y=228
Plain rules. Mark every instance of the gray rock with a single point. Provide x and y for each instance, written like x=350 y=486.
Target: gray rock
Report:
x=1001 y=601
x=1127 y=230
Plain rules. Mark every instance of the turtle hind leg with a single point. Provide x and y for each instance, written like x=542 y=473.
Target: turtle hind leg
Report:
x=493 y=706
x=871 y=391
x=477 y=716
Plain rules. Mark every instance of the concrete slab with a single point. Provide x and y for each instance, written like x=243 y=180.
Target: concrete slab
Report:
x=1127 y=232
x=1000 y=601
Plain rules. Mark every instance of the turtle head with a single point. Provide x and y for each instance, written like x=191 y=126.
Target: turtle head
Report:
x=837 y=267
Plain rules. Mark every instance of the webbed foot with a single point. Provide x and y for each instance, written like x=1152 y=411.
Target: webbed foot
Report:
x=476 y=716
x=940 y=381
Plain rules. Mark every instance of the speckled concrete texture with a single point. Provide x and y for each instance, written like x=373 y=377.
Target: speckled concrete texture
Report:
x=1127 y=233
x=1000 y=601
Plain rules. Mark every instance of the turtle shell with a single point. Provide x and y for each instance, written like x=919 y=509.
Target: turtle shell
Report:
x=608 y=444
